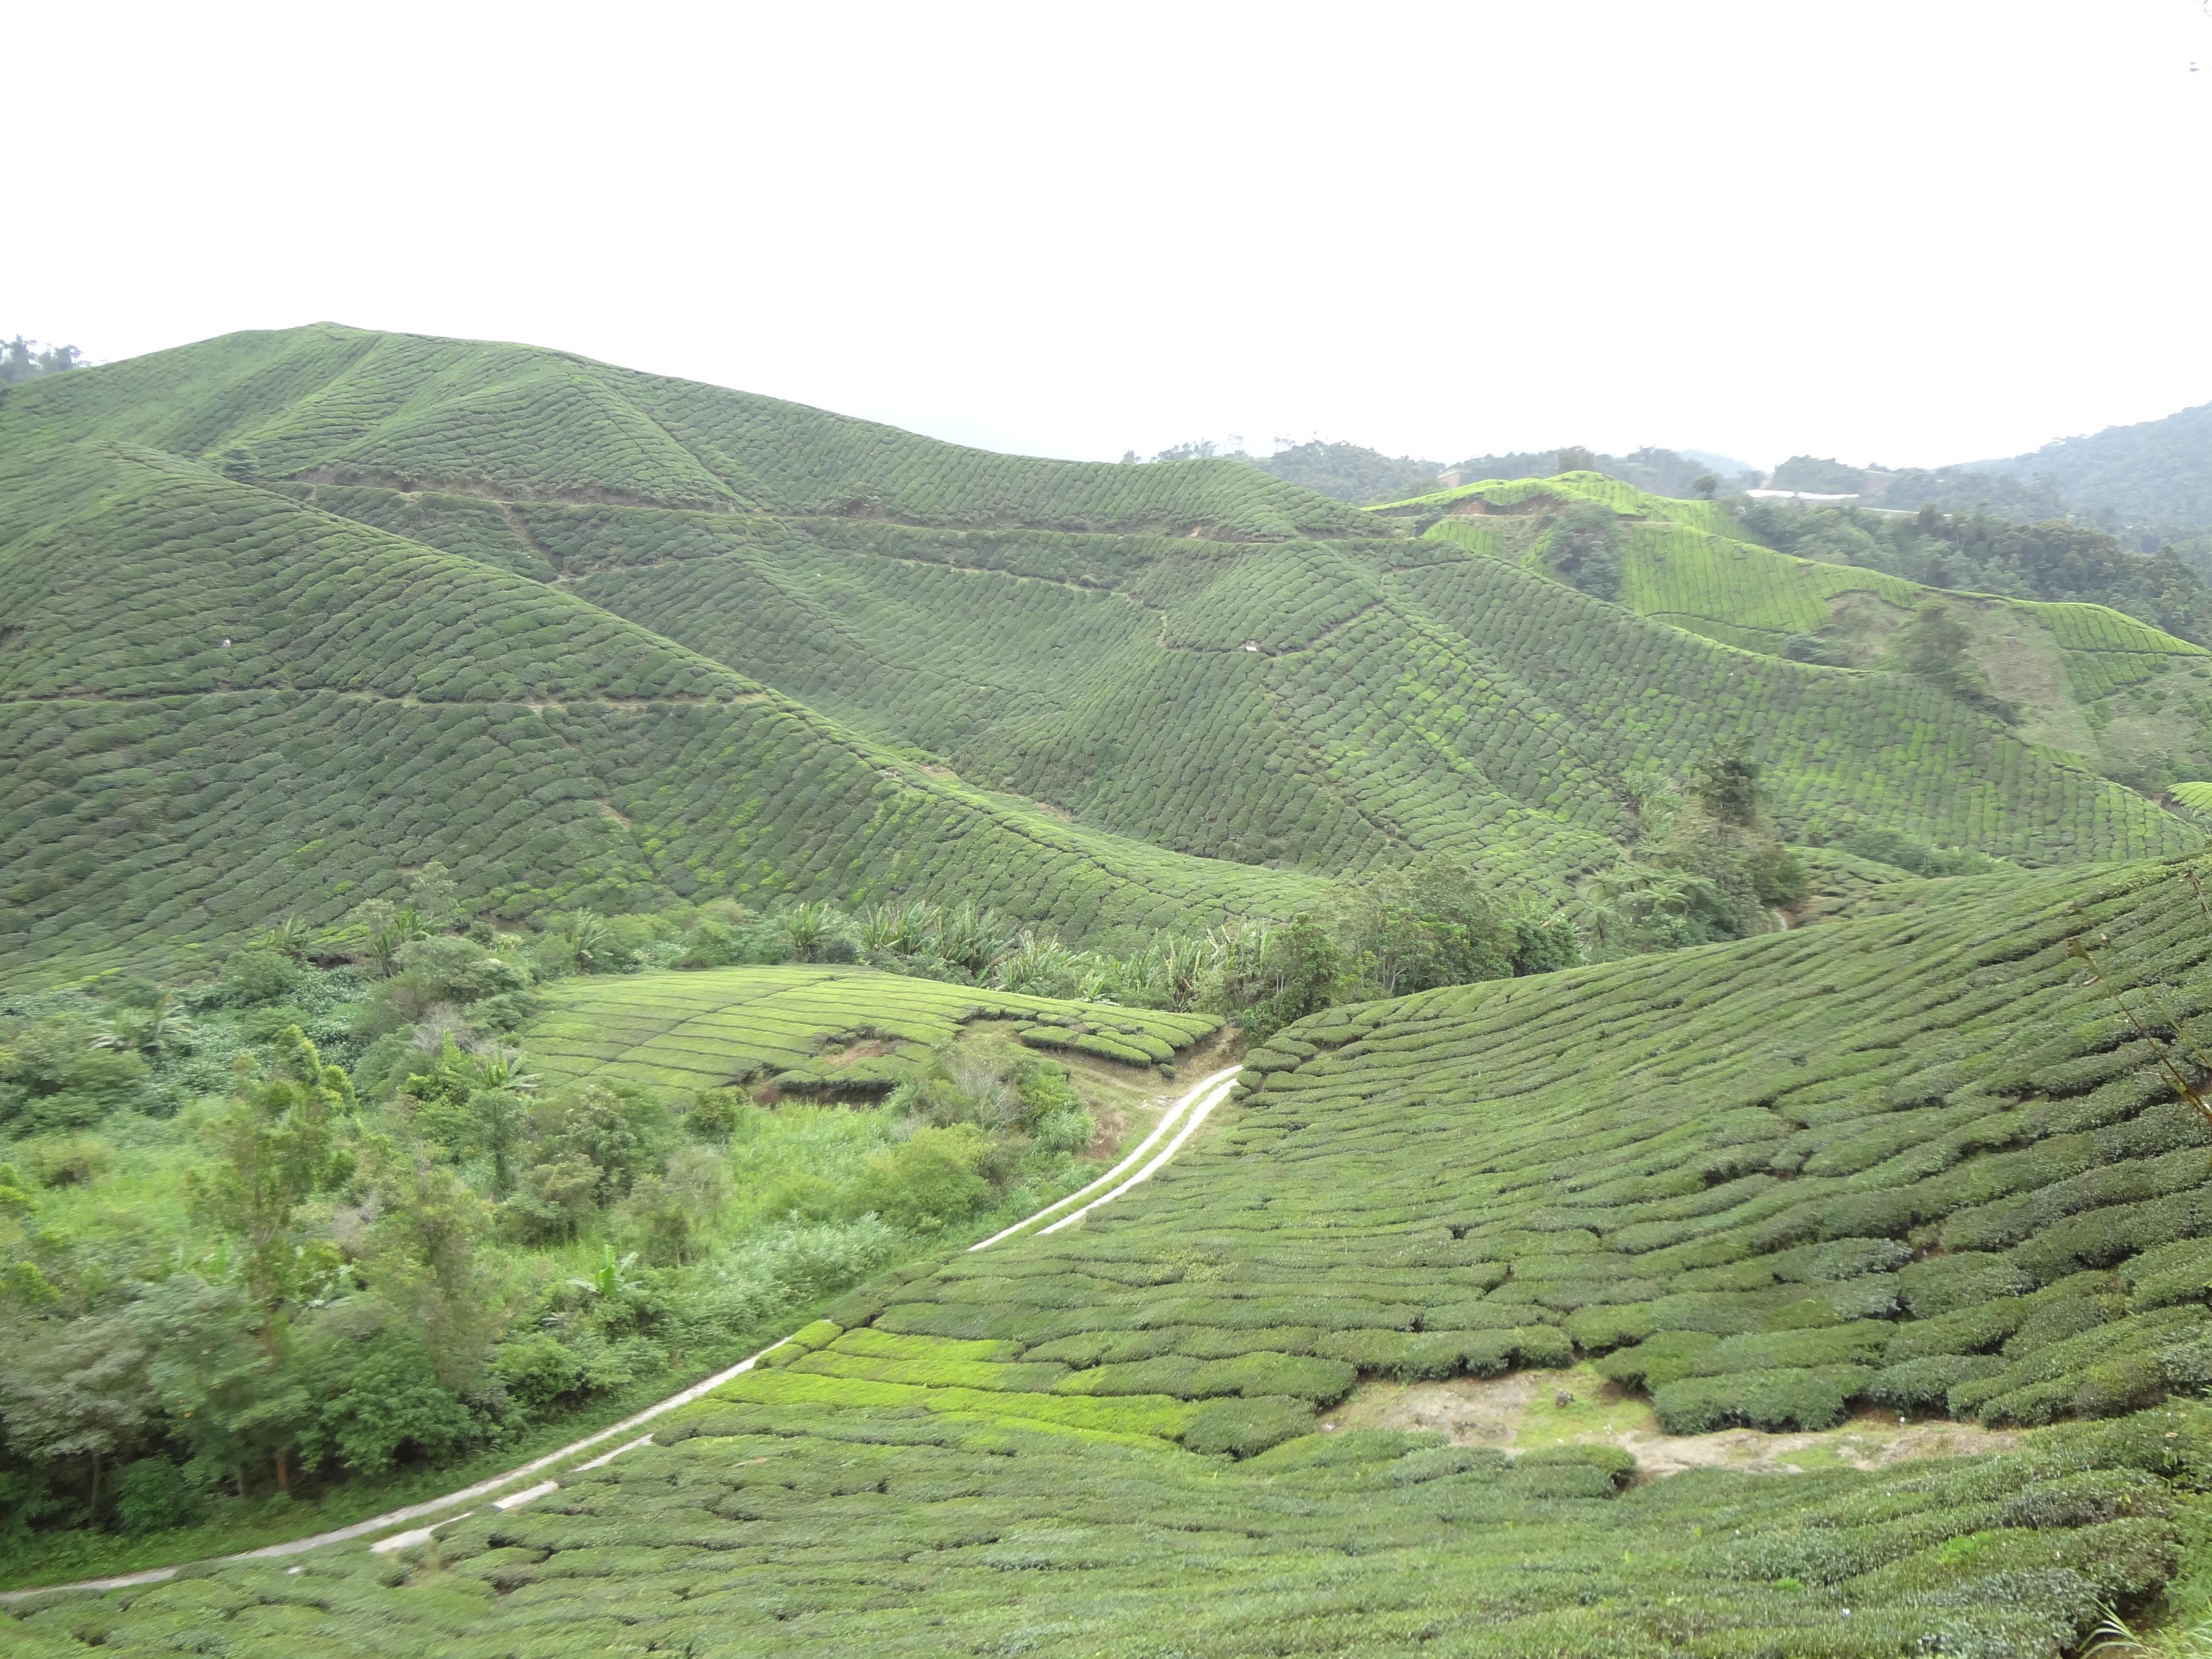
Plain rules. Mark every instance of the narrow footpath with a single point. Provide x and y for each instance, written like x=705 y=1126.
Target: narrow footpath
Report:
x=505 y=1491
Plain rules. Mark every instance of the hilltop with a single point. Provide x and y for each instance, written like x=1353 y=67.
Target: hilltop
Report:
x=342 y=405
x=220 y=706
x=343 y=603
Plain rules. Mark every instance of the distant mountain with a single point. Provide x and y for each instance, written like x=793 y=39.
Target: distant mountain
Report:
x=1367 y=477
x=1950 y=488
x=2152 y=479
x=1348 y=473
x=1655 y=471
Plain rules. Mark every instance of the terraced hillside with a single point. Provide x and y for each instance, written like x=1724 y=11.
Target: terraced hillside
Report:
x=813 y=1028
x=217 y=707
x=1326 y=705
x=280 y=612
x=1912 y=1161
x=345 y=406
x=2087 y=679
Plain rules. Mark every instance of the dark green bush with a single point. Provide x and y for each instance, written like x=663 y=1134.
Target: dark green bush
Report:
x=1243 y=1427
x=1813 y=1398
x=154 y=1494
x=52 y=1078
x=1920 y=1384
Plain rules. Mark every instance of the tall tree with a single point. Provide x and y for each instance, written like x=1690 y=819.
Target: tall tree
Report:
x=277 y=1145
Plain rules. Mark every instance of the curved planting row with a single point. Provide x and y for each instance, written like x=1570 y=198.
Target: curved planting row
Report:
x=813 y=1028
x=344 y=405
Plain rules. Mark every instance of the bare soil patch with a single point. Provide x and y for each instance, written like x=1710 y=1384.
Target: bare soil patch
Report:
x=1527 y=1410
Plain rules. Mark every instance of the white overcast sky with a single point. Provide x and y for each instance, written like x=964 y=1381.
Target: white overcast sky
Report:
x=1910 y=232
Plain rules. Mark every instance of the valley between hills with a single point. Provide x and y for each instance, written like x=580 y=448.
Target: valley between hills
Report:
x=547 y=906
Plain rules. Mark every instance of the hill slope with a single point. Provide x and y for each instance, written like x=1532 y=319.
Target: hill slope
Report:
x=2132 y=701
x=1941 y=1174
x=634 y=640
x=1393 y=695
x=2153 y=475
x=218 y=706
x=346 y=405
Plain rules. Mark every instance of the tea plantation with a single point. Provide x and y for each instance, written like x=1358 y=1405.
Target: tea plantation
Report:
x=218 y=706
x=1922 y=1161
x=349 y=405
x=2087 y=678
x=1396 y=694
x=284 y=612
x=812 y=1027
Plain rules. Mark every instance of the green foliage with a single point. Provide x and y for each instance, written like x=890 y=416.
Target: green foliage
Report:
x=1933 y=646
x=927 y=1180
x=1579 y=550
x=22 y=359
x=2147 y=479
x=1979 y=551
x=154 y=1494
x=1818 y=478
x=54 y=1075
x=276 y=1145
x=1299 y=972
x=376 y=1405
x=1346 y=472
x=1413 y=930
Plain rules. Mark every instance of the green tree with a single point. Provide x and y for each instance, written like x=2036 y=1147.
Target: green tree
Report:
x=1580 y=550
x=1425 y=926
x=224 y=1387
x=1727 y=786
x=53 y=1076
x=381 y=1399
x=27 y=359
x=78 y=1388
x=423 y=1262
x=928 y=1181
x=556 y=1198
x=275 y=1147
x=1303 y=973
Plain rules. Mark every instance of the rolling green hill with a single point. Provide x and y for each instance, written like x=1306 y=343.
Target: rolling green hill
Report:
x=620 y=640
x=342 y=405
x=1393 y=695
x=1913 y=1161
x=2154 y=476
x=2130 y=699
x=218 y=706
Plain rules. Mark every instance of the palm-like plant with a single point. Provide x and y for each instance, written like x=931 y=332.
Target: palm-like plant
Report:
x=388 y=928
x=1038 y=965
x=149 y=1031
x=288 y=938
x=586 y=933
x=806 y=931
x=501 y=1068
x=611 y=1278
x=2114 y=1636
x=972 y=939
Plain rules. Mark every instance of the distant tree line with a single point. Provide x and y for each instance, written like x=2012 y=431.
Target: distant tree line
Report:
x=1985 y=553
x=27 y=359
